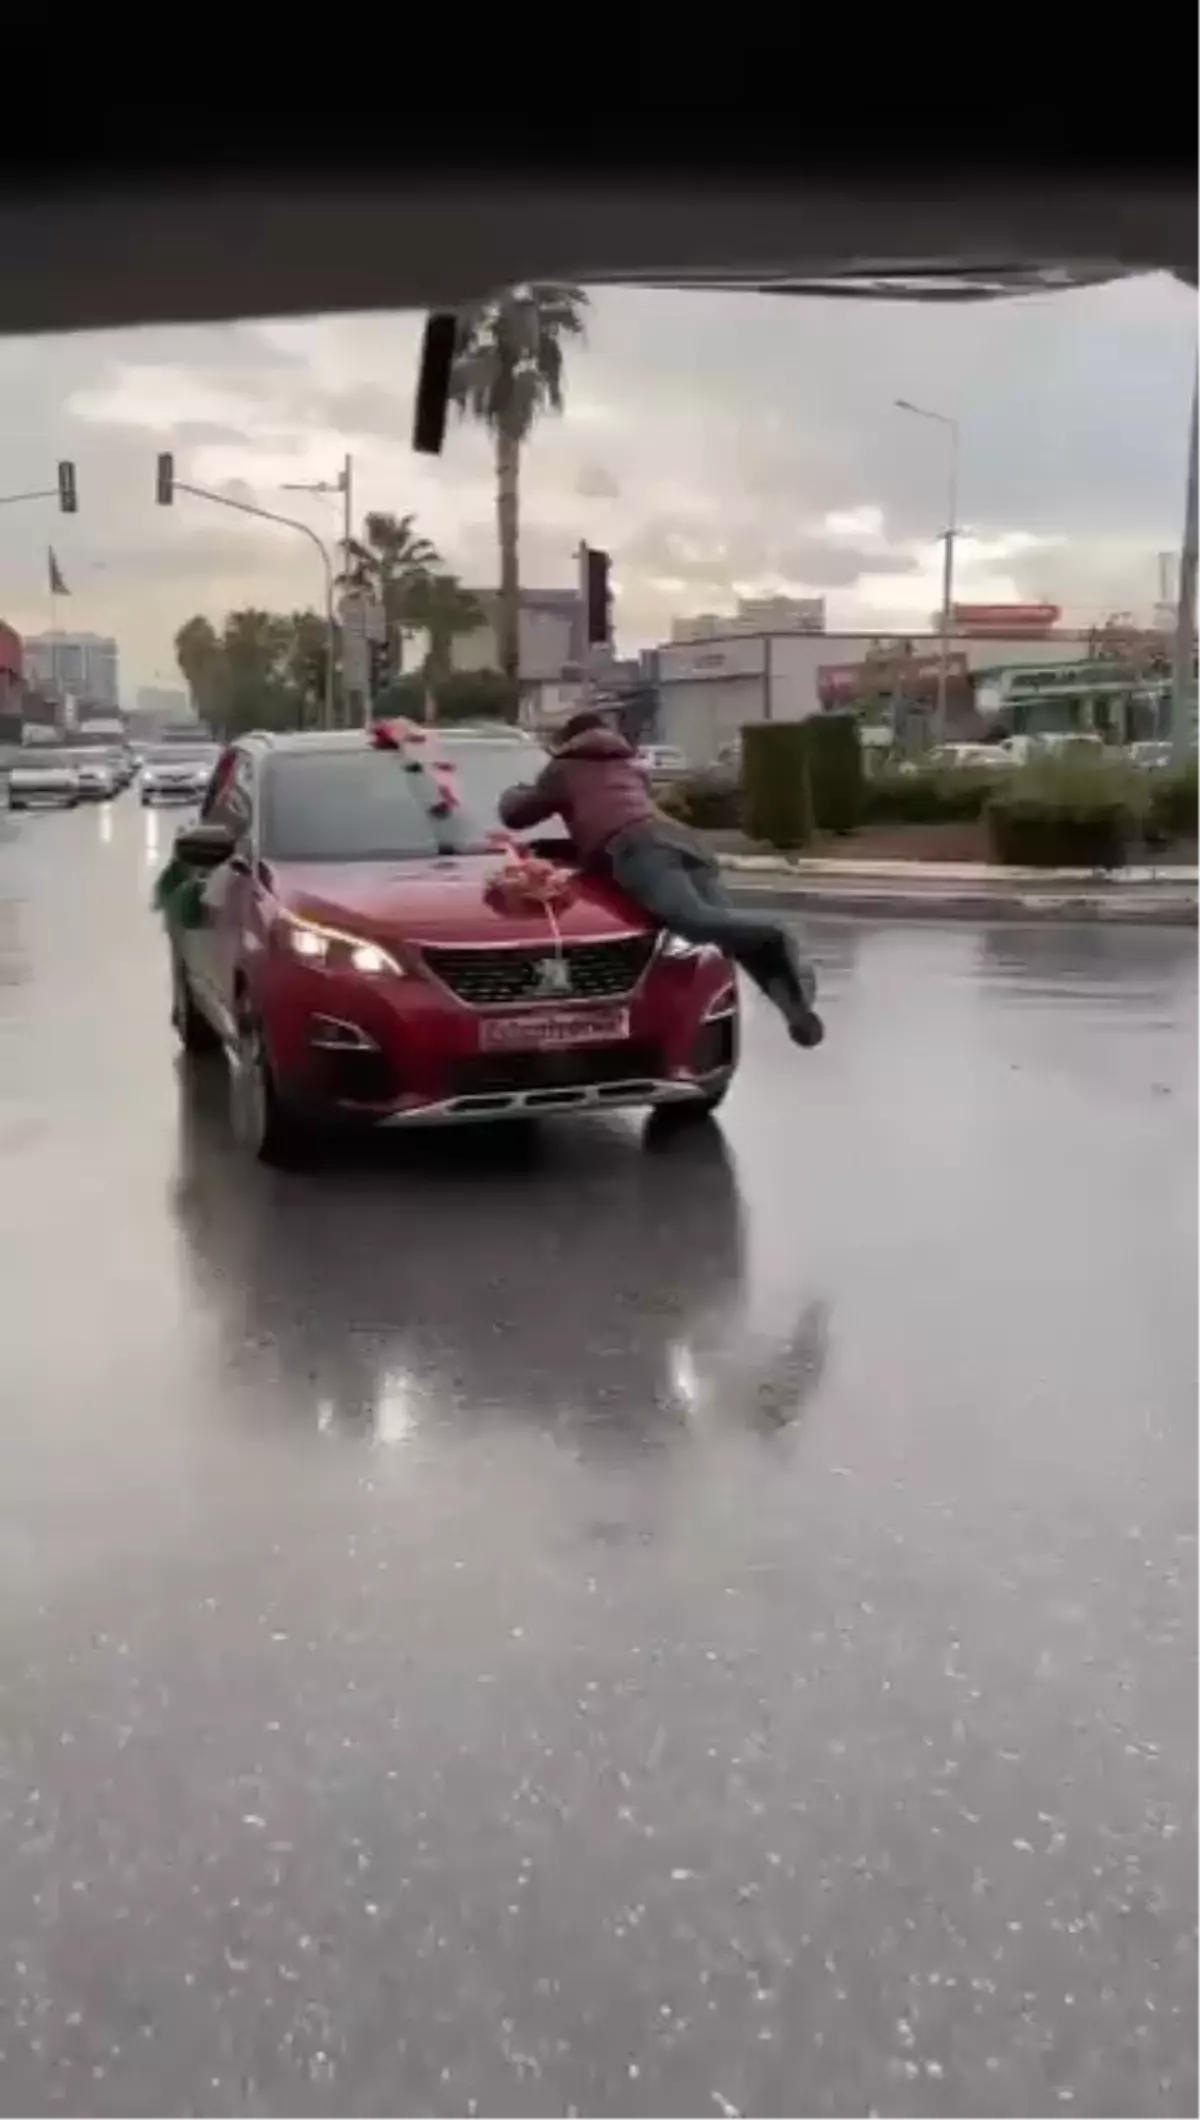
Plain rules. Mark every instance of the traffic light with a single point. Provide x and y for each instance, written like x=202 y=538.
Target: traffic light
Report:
x=166 y=479
x=68 y=499
x=379 y=662
x=598 y=597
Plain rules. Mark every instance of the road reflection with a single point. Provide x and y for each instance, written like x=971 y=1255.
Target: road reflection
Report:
x=589 y=1280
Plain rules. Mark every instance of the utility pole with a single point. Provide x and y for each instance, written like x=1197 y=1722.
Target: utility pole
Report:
x=1183 y=661
x=949 y=534
x=354 y=699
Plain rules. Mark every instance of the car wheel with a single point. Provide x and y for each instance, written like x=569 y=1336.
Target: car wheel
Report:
x=195 y=1032
x=262 y=1124
x=695 y=1110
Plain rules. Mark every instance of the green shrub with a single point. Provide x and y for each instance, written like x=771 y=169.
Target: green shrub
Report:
x=708 y=801
x=1172 y=805
x=801 y=776
x=836 y=774
x=1063 y=815
x=777 y=797
x=893 y=797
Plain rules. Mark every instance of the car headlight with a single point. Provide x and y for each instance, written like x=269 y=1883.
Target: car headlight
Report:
x=677 y=946
x=333 y=951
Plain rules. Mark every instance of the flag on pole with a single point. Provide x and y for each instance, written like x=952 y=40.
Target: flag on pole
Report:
x=58 y=586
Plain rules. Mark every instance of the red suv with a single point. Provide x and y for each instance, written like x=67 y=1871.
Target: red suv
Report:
x=351 y=954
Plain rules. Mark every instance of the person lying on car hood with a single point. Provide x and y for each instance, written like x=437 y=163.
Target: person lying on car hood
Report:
x=594 y=783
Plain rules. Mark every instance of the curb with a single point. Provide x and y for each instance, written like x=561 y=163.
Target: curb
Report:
x=1108 y=909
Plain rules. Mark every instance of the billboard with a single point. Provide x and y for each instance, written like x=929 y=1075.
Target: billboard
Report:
x=909 y=677
x=1006 y=619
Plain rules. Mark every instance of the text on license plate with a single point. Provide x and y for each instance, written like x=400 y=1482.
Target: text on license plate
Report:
x=549 y=1030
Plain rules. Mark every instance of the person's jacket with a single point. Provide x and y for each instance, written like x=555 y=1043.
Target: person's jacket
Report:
x=595 y=784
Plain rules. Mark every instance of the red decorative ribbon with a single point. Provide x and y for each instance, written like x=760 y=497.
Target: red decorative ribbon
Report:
x=526 y=883
x=407 y=737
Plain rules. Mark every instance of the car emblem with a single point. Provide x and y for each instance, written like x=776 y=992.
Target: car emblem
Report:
x=554 y=976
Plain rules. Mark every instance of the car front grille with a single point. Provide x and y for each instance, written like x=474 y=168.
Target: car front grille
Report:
x=508 y=1074
x=492 y=978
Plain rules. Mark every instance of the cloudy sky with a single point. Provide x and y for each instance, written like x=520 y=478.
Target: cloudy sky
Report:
x=717 y=444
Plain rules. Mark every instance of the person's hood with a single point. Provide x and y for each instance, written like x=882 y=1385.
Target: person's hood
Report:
x=596 y=743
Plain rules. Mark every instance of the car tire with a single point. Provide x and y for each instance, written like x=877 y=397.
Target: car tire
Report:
x=192 y=1027
x=262 y=1124
x=691 y=1111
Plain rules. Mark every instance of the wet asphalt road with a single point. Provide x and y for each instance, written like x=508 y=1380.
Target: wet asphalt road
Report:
x=611 y=1625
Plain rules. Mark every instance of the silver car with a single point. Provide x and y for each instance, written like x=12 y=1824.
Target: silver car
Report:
x=43 y=784
x=176 y=774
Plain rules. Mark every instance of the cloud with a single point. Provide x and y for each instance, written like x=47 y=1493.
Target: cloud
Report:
x=716 y=444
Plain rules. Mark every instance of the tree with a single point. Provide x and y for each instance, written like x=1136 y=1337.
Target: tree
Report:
x=390 y=563
x=508 y=371
x=262 y=670
x=444 y=611
x=198 y=653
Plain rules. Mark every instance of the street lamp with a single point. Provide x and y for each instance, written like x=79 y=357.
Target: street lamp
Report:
x=169 y=486
x=1183 y=659
x=943 y=419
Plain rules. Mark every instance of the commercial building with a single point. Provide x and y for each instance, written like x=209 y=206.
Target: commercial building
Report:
x=85 y=665
x=550 y=636
x=709 y=688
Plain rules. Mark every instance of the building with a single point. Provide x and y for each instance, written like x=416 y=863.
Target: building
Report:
x=709 y=688
x=163 y=706
x=83 y=664
x=755 y=614
x=551 y=634
x=12 y=672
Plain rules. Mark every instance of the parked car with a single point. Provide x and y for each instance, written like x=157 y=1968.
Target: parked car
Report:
x=1151 y=756
x=96 y=774
x=43 y=783
x=663 y=761
x=968 y=758
x=1051 y=743
x=177 y=773
x=350 y=955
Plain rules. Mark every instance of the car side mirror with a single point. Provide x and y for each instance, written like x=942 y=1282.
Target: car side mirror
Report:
x=205 y=846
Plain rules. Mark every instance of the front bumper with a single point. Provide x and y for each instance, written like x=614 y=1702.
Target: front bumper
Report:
x=413 y=1057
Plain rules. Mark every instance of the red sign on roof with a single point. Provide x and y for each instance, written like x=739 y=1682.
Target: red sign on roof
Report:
x=1005 y=618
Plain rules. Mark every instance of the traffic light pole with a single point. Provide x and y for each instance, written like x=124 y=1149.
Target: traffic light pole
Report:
x=290 y=522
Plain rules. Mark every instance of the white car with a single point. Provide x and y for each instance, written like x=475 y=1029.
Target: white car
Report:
x=176 y=774
x=96 y=774
x=968 y=758
x=662 y=761
x=43 y=784
x=1151 y=756
x=1054 y=743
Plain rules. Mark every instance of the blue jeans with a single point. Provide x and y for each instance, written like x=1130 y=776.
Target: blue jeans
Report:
x=683 y=891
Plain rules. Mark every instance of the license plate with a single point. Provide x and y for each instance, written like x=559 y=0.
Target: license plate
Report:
x=550 y=1030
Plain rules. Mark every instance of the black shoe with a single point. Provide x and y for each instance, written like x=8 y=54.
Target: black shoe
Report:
x=806 y=1029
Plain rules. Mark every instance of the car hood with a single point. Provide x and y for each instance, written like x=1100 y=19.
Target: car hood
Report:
x=442 y=901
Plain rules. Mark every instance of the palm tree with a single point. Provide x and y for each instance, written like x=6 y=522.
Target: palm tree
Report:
x=508 y=371
x=443 y=610
x=389 y=564
x=198 y=654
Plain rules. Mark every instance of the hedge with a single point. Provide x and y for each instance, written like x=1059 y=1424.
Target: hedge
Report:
x=1066 y=815
x=1172 y=806
x=951 y=797
x=801 y=776
x=709 y=801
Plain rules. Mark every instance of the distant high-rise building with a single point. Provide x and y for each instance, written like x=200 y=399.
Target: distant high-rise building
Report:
x=85 y=665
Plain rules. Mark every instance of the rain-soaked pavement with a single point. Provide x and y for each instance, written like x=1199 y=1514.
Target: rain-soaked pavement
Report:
x=614 y=1625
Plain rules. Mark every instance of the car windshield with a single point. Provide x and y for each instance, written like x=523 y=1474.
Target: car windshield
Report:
x=175 y=754
x=363 y=805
